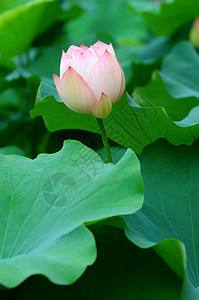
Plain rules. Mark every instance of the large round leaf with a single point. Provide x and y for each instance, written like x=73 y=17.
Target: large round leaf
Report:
x=180 y=71
x=121 y=271
x=165 y=17
x=155 y=94
x=129 y=124
x=130 y=30
x=44 y=203
x=21 y=25
x=11 y=150
x=171 y=206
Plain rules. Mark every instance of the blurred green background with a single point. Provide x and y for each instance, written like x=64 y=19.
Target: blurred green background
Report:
x=32 y=35
x=152 y=41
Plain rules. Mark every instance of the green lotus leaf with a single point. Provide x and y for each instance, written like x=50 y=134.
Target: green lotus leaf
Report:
x=44 y=203
x=18 y=22
x=166 y=17
x=11 y=150
x=180 y=71
x=170 y=210
x=121 y=271
x=129 y=124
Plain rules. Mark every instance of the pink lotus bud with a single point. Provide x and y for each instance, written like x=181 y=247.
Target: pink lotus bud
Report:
x=194 y=33
x=91 y=79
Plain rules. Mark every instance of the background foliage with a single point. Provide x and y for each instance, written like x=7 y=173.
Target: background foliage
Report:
x=71 y=226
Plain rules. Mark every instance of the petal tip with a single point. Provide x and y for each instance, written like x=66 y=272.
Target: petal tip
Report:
x=103 y=108
x=55 y=76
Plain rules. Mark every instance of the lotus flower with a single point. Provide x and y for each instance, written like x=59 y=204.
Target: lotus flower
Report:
x=91 y=79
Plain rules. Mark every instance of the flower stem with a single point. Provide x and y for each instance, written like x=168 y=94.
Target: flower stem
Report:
x=105 y=140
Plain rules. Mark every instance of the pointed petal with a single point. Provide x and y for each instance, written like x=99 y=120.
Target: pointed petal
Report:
x=58 y=85
x=101 y=44
x=74 y=50
x=110 y=49
x=98 y=51
x=84 y=47
x=77 y=93
x=101 y=47
x=66 y=60
x=103 y=108
x=57 y=82
x=84 y=63
x=105 y=77
x=122 y=87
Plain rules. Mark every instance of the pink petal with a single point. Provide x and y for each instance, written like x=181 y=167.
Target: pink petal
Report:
x=84 y=47
x=122 y=87
x=103 y=108
x=101 y=47
x=84 y=63
x=101 y=44
x=66 y=61
x=105 y=77
x=110 y=49
x=75 y=51
x=58 y=85
x=77 y=93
